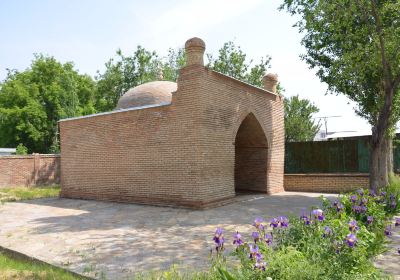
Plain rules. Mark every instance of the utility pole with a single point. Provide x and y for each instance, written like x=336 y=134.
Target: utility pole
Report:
x=325 y=118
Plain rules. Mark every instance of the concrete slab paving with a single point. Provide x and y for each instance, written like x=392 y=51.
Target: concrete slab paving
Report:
x=118 y=240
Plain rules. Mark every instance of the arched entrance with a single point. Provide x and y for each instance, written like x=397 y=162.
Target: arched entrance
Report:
x=251 y=155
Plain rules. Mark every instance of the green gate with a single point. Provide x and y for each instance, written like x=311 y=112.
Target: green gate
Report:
x=338 y=156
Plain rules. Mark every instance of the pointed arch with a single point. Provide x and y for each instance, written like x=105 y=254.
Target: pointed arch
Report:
x=251 y=156
x=240 y=120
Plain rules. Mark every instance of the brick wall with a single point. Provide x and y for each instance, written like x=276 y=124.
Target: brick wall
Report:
x=29 y=170
x=327 y=183
x=180 y=154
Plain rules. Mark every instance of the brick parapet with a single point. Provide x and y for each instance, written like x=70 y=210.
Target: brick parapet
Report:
x=326 y=182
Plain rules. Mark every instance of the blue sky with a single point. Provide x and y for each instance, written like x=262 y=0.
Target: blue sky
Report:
x=89 y=32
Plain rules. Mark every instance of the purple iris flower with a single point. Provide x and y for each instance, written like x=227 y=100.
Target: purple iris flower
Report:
x=388 y=230
x=260 y=265
x=256 y=236
x=254 y=253
x=305 y=219
x=393 y=204
x=397 y=222
x=338 y=246
x=391 y=196
x=258 y=223
x=363 y=201
x=363 y=209
x=351 y=240
x=370 y=219
x=237 y=239
x=353 y=198
x=372 y=193
x=359 y=209
x=274 y=223
x=269 y=238
x=219 y=239
x=360 y=192
x=327 y=231
x=353 y=227
x=383 y=193
x=284 y=222
x=318 y=214
x=339 y=207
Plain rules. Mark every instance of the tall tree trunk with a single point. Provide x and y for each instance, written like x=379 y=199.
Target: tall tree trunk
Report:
x=390 y=156
x=374 y=165
x=383 y=170
x=379 y=176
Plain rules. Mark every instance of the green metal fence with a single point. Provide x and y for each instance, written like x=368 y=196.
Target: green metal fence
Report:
x=339 y=156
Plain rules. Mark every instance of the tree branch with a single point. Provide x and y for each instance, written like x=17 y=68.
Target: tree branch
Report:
x=386 y=66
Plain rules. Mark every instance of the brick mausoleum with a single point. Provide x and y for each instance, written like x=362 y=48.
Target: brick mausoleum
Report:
x=192 y=143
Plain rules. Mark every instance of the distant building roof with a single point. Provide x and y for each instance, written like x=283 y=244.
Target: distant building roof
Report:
x=321 y=136
x=345 y=134
x=7 y=150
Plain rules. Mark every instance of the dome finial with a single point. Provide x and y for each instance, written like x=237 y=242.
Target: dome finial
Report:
x=270 y=82
x=195 y=48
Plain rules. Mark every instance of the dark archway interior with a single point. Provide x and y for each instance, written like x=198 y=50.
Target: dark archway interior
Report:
x=251 y=153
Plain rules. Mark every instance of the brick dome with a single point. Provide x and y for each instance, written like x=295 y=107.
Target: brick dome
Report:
x=152 y=93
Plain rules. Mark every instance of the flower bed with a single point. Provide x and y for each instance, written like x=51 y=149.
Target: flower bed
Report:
x=338 y=241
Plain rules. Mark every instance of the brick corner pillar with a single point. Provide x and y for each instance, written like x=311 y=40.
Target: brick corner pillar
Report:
x=36 y=167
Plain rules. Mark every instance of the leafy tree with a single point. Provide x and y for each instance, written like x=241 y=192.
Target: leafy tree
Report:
x=174 y=61
x=231 y=61
x=32 y=102
x=299 y=122
x=123 y=73
x=354 y=45
x=21 y=149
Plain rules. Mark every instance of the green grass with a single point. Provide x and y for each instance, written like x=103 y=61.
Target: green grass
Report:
x=19 y=269
x=24 y=193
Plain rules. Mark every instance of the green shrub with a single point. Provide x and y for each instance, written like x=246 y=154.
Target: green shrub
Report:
x=21 y=149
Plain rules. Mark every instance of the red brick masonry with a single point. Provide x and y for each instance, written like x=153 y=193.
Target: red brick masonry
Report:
x=29 y=170
x=218 y=136
x=327 y=183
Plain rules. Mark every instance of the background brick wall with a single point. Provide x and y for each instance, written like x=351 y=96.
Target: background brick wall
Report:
x=180 y=154
x=29 y=170
x=327 y=183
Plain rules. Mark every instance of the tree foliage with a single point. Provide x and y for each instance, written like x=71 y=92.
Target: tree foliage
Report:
x=354 y=46
x=126 y=71
x=32 y=102
x=299 y=122
x=122 y=73
x=21 y=149
x=174 y=61
x=232 y=61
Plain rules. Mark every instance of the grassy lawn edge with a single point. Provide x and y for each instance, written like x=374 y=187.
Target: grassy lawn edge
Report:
x=10 y=194
x=19 y=263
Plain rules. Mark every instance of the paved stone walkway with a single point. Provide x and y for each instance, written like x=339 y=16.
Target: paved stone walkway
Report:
x=120 y=239
x=390 y=260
